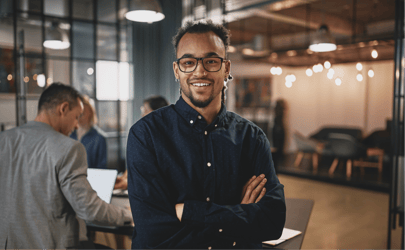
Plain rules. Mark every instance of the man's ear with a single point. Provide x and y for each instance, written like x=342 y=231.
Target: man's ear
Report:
x=63 y=108
x=176 y=70
x=227 y=67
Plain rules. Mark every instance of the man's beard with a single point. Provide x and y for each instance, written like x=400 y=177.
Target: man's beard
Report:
x=195 y=102
x=198 y=103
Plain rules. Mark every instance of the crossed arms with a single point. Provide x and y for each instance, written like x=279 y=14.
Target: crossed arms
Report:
x=252 y=192
x=167 y=214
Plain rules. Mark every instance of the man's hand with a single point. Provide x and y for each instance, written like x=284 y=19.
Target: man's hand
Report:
x=254 y=190
x=179 y=210
x=122 y=181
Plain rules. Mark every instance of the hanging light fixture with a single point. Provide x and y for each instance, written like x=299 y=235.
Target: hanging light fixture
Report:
x=146 y=11
x=56 y=38
x=322 y=40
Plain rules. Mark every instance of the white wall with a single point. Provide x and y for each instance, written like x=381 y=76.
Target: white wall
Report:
x=316 y=101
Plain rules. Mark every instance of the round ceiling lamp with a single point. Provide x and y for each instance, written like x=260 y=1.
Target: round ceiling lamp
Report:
x=56 y=38
x=322 y=40
x=146 y=11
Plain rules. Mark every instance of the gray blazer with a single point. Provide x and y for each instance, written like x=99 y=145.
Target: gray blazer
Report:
x=43 y=186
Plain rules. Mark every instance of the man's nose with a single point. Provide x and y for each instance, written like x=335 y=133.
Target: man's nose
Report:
x=76 y=125
x=200 y=70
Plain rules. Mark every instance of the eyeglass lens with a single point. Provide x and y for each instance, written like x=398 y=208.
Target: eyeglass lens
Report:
x=211 y=64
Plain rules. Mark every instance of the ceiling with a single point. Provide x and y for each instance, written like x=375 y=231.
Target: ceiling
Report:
x=358 y=26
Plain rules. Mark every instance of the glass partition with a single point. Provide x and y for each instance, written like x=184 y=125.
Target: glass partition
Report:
x=97 y=62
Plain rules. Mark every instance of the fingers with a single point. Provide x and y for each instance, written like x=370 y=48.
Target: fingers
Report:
x=257 y=190
x=262 y=193
x=250 y=180
x=247 y=184
x=120 y=185
x=253 y=189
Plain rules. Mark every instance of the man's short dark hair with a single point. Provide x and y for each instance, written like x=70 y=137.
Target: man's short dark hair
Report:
x=156 y=102
x=56 y=94
x=202 y=27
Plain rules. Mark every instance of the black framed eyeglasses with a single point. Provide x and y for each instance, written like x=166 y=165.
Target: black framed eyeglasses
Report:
x=210 y=64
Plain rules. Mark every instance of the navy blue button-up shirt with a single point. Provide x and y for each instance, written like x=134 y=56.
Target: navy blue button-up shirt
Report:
x=174 y=156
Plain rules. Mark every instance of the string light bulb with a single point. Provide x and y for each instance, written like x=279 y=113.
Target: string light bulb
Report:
x=276 y=70
x=327 y=64
x=290 y=78
x=338 y=82
x=374 y=54
x=359 y=77
x=90 y=71
x=330 y=74
x=279 y=71
x=309 y=72
x=41 y=80
x=359 y=66
x=371 y=73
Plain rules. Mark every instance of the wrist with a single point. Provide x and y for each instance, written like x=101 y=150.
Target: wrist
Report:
x=179 y=210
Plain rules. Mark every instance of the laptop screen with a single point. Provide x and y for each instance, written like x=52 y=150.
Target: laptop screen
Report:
x=102 y=181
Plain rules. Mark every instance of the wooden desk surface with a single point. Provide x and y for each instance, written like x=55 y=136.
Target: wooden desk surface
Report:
x=298 y=213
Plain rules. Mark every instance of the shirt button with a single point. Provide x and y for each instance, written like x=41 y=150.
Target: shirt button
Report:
x=234 y=243
x=199 y=117
x=220 y=230
x=216 y=125
x=209 y=248
x=206 y=133
x=209 y=164
x=191 y=121
x=208 y=199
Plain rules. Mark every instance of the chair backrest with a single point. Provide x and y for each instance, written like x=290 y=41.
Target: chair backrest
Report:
x=323 y=134
x=345 y=146
x=304 y=144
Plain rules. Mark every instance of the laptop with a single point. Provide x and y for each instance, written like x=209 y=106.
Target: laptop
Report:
x=102 y=181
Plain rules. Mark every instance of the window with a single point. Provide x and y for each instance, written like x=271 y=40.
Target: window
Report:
x=97 y=62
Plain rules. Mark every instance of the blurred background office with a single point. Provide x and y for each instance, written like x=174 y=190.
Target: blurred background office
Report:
x=336 y=65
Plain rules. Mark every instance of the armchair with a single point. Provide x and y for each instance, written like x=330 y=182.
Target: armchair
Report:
x=345 y=147
x=307 y=146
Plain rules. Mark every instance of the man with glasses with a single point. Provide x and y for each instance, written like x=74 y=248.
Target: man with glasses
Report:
x=200 y=176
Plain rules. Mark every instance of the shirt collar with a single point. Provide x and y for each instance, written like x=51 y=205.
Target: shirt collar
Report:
x=195 y=119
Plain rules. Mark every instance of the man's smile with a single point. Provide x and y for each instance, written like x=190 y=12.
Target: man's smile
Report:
x=200 y=84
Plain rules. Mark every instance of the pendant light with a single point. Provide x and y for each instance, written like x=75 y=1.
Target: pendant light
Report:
x=146 y=11
x=322 y=40
x=56 y=38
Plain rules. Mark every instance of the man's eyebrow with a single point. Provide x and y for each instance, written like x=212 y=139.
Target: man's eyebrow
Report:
x=187 y=56
x=209 y=54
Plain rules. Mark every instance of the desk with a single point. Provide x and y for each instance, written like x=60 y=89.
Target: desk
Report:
x=124 y=230
x=298 y=213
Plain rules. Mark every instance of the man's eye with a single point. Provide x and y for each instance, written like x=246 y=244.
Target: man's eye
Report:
x=188 y=63
x=212 y=61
